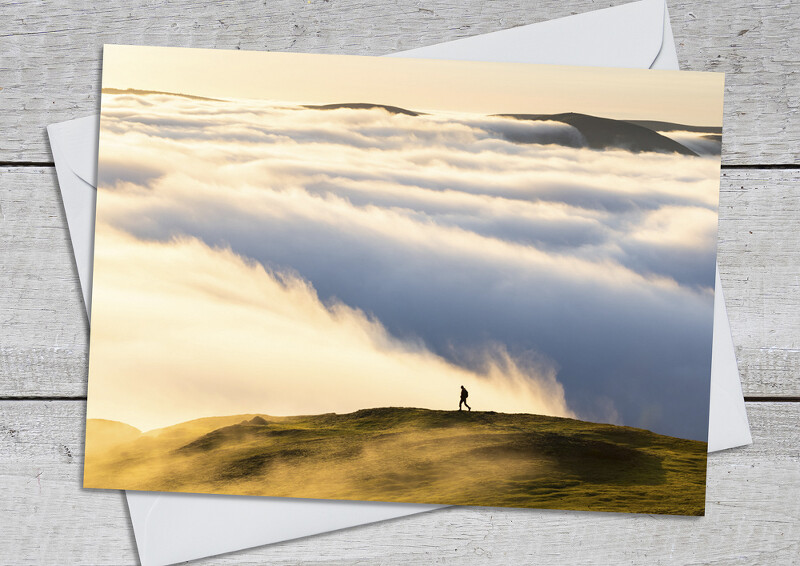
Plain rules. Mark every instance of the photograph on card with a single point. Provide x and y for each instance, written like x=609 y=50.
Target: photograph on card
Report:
x=403 y=280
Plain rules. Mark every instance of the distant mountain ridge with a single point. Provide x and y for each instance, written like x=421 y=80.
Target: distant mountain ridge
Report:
x=600 y=133
x=604 y=133
x=363 y=106
x=658 y=126
x=139 y=92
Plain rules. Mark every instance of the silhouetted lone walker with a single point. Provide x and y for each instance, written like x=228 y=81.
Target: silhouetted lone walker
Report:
x=464 y=395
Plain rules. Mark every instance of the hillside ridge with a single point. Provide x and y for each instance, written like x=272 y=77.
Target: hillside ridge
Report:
x=416 y=455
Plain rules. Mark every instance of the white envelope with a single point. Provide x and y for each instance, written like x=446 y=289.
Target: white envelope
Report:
x=172 y=527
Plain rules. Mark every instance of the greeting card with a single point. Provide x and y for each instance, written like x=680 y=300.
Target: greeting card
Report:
x=403 y=280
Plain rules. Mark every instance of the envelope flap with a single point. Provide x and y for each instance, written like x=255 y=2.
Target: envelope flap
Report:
x=174 y=527
x=630 y=35
x=79 y=149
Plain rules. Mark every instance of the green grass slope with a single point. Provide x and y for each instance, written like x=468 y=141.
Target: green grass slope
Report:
x=417 y=455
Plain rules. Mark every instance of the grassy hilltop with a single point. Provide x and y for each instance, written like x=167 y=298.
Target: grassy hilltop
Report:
x=412 y=455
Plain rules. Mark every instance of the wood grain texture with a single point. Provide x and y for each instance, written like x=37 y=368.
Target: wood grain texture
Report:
x=759 y=258
x=43 y=327
x=50 y=51
x=43 y=352
x=752 y=516
x=49 y=71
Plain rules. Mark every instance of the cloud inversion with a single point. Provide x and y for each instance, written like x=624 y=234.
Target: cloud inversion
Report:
x=367 y=258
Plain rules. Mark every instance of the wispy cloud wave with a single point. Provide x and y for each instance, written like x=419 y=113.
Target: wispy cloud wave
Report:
x=449 y=235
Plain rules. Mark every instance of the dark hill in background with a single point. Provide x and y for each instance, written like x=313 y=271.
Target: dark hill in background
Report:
x=363 y=106
x=603 y=133
x=411 y=455
x=600 y=133
x=138 y=92
x=657 y=126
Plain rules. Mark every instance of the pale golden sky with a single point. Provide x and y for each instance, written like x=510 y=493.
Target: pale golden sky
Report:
x=418 y=84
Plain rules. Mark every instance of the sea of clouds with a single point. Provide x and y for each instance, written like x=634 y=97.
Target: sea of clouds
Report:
x=278 y=259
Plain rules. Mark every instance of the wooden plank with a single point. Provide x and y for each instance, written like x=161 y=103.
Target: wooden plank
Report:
x=752 y=516
x=759 y=257
x=44 y=329
x=50 y=52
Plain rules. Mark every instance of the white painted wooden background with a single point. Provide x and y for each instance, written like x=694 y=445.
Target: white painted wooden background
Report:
x=49 y=72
